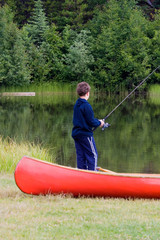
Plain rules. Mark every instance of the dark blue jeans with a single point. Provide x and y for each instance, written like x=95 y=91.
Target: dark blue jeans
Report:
x=86 y=153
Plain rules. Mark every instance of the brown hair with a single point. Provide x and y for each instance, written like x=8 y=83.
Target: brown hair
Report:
x=83 y=88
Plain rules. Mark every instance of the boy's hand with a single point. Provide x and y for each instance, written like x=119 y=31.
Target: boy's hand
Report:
x=102 y=122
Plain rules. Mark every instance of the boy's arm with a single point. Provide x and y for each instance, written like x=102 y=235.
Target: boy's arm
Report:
x=92 y=121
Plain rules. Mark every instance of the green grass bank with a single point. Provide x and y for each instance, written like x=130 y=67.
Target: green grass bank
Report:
x=58 y=217
x=11 y=152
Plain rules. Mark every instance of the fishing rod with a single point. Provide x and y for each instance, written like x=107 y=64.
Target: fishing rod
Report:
x=107 y=124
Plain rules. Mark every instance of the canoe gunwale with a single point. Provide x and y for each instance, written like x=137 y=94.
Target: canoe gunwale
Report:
x=130 y=175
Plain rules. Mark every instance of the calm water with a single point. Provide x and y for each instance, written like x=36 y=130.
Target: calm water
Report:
x=131 y=144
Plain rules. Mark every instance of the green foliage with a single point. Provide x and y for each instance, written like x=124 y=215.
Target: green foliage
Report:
x=121 y=45
x=79 y=58
x=53 y=53
x=68 y=37
x=74 y=13
x=62 y=41
x=60 y=12
x=53 y=11
x=95 y=3
x=154 y=32
x=38 y=24
x=21 y=9
x=43 y=46
x=13 y=58
x=38 y=63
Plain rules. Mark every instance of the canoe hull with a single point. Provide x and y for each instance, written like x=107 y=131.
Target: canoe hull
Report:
x=36 y=177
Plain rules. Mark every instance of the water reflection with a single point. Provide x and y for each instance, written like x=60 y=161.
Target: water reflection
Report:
x=131 y=144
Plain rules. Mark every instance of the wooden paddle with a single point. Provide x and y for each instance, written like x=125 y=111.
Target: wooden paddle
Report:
x=105 y=170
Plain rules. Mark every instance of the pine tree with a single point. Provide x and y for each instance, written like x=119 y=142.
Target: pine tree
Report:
x=154 y=32
x=79 y=59
x=74 y=14
x=22 y=10
x=121 y=45
x=38 y=24
x=13 y=57
x=43 y=46
x=53 y=10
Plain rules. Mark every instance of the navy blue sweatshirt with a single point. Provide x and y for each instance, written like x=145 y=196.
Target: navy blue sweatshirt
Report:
x=83 y=119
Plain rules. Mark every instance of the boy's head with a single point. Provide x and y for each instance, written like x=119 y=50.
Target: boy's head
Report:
x=83 y=88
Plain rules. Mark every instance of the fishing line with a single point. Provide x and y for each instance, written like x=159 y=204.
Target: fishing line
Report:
x=131 y=92
x=106 y=125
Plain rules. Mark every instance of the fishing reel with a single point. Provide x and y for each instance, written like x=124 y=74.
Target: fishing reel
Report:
x=106 y=125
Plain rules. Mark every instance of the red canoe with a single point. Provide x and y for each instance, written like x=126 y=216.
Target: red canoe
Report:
x=36 y=177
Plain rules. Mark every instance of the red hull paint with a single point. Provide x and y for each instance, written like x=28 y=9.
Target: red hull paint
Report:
x=36 y=177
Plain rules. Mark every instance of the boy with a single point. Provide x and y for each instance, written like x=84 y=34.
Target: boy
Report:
x=82 y=132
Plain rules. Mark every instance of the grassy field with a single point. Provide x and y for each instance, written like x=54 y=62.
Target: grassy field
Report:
x=59 y=217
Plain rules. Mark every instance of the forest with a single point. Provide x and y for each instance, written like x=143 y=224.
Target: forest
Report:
x=110 y=44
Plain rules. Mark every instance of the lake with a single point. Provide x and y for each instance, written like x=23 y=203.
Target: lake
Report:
x=131 y=144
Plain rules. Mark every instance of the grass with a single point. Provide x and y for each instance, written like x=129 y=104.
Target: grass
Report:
x=42 y=87
x=59 y=217
x=11 y=152
x=56 y=87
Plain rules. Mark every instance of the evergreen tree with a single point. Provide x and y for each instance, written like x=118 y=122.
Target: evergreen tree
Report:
x=74 y=13
x=13 y=58
x=154 y=33
x=38 y=24
x=44 y=46
x=79 y=59
x=22 y=10
x=35 y=37
x=53 y=48
x=53 y=11
x=92 y=4
x=121 y=45
x=37 y=61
